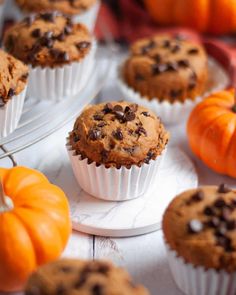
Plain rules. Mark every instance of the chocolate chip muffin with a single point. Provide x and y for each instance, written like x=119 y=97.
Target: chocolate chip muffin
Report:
x=200 y=225
x=13 y=77
x=69 y=7
x=48 y=39
x=118 y=134
x=82 y=277
x=166 y=68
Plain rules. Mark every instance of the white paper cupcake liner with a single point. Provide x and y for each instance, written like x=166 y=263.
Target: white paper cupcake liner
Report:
x=114 y=184
x=176 y=112
x=10 y=114
x=59 y=83
x=88 y=17
x=199 y=281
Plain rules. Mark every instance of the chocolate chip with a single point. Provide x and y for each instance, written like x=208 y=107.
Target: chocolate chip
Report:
x=119 y=116
x=220 y=203
x=36 y=33
x=176 y=48
x=81 y=281
x=140 y=130
x=102 y=124
x=76 y=138
x=64 y=56
x=61 y=37
x=55 y=53
x=103 y=269
x=195 y=226
x=221 y=231
x=138 y=77
x=145 y=49
x=172 y=66
x=193 y=51
x=166 y=43
x=118 y=108
x=66 y=269
x=11 y=92
x=104 y=155
x=68 y=30
x=198 y=196
x=118 y=134
x=98 y=117
x=208 y=211
x=223 y=189
x=225 y=214
x=231 y=224
x=146 y=114
x=108 y=108
x=48 y=16
x=157 y=58
x=97 y=289
x=184 y=63
x=150 y=155
x=174 y=93
x=225 y=242
x=192 y=81
x=83 y=45
x=158 y=69
x=94 y=134
x=130 y=116
x=214 y=222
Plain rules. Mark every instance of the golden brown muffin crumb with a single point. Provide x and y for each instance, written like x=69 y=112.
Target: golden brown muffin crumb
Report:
x=200 y=225
x=167 y=68
x=48 y=39
x=68 y=276
x=118 y=134
x=70 y=7
x=13 y=77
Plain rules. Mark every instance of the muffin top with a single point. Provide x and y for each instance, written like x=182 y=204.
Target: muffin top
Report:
x=70 y=7
x=200 y=225
x=67 y=276
x=167 y=68
x=48 y=39
x=118 y=133
x=13 y=77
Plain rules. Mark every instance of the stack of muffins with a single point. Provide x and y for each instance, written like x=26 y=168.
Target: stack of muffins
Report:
x=55 y=52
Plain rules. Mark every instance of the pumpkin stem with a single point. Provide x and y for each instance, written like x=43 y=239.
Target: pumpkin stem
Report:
x=4 y=206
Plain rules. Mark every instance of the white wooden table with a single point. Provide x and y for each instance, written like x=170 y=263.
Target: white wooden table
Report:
x=143 y=256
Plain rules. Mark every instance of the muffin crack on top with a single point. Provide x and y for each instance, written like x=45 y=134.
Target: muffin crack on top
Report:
x=70 y=7
x=13 y=77
x=48 y=39
x=200 y=226
x=167 y=68
x=118 y=134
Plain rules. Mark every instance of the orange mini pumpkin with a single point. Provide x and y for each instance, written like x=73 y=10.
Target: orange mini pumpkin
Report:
x=214 y=16
x=212 y=132
x=34 y=224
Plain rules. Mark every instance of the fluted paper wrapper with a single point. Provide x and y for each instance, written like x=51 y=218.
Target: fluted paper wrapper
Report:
x=88 y=17
x=193 y=280
x=10 y=114
x=177 y=112
x=59 y=83
x=114 y=184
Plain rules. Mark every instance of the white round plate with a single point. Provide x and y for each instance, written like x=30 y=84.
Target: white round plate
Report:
x=122 y=219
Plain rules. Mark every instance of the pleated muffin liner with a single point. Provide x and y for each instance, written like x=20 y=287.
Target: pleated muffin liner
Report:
x=10 y=114
x=177 y=112
x=88 y=17
x=113 y=184
x=193 y=280
x=56 y=84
